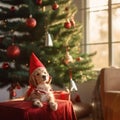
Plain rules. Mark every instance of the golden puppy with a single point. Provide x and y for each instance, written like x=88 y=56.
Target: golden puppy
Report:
x=40 y=90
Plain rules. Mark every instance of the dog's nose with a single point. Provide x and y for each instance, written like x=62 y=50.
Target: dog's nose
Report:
x=44 y=77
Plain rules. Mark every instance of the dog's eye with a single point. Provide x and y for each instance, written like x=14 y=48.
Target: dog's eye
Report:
x=45 y=73
x=37 y=74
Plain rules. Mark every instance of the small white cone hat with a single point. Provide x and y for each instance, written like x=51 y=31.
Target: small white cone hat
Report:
x=73 y=86
x=48 y=40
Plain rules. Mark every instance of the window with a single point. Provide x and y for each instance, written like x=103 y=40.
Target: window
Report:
x=101 y=21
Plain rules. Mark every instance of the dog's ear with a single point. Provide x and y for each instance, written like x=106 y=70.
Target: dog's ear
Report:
x=32 y=80
x=50 y=80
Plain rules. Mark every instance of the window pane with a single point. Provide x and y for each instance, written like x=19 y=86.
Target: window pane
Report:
x=97 y=32
x=97 y=3
x=116 y=23
x=98 y=27
x=116 y=54
x=115 y=1
x=100 y=60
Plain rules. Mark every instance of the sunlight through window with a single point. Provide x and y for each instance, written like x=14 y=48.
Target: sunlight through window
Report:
x=98 y=36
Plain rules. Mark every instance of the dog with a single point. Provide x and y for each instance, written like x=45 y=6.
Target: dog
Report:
x=40 y=89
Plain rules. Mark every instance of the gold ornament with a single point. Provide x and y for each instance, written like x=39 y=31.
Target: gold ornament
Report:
x=68 y=58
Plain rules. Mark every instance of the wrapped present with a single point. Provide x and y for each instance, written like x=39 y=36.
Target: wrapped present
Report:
x=63 y=95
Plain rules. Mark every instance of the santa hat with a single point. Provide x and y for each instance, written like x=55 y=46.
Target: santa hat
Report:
x=34 y=63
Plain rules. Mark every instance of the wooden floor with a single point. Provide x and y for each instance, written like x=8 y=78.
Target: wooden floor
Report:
x=86 y=118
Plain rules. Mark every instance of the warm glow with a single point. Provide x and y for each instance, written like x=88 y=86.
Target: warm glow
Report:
x=98 y=30
x=115 y=1
x=94 y=3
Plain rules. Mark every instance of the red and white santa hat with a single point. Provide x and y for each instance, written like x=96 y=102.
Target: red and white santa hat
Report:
x=34 y=63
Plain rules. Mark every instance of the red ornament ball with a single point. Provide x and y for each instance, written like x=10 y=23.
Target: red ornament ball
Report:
x=39 y=2
x=18 y=86
x=67 y=24
x=5 y=65
x=55 y=6
x=13 y=51
x=12 y=9
x=31 y=22
x=13 y=93
x=66 y=9
x=78 y=59
x=77 y=98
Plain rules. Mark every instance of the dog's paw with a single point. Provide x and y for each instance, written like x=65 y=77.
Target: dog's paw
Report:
x=53 y=106
x=37 y=103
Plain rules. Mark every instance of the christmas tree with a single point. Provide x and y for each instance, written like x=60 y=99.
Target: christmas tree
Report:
x=49 y=29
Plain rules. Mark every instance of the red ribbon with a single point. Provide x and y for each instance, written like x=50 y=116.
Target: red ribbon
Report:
x=30 y=90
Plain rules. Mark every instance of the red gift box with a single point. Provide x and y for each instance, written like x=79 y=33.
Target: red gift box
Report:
x=63 y=95
x=24 y=110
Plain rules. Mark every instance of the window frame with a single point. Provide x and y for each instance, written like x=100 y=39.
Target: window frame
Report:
x=85 y=22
